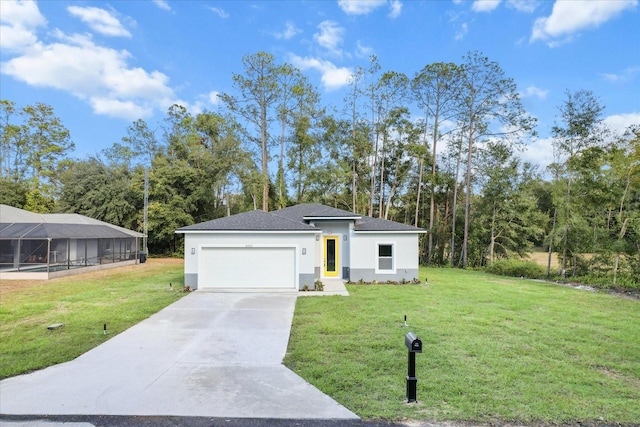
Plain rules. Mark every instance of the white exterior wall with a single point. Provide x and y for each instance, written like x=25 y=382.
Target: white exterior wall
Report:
x=364 y=255
x=197 y=241
x=339 y=229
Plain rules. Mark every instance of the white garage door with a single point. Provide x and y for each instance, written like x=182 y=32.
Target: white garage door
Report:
x=247 y=267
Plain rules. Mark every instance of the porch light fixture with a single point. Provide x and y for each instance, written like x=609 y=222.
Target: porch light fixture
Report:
x=344 y=237
x=193 y=251
x=304 y=251
x=317 y=237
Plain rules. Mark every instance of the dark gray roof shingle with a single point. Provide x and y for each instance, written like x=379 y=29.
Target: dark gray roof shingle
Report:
x=257 y=220
x=377 y=224
x=295 y=218
x=313 y=210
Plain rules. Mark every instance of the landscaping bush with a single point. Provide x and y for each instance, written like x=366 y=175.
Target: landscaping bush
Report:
x=517 y=268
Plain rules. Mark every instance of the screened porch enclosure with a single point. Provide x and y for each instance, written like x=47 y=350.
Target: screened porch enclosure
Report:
x=44 y=246
x=64 y=254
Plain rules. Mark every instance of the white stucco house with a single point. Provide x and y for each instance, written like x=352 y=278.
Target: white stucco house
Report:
x=292 y=247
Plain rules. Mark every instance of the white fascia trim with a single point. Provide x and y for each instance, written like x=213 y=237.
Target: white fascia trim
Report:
x=332 y=218
x=389 y=232
x=248 y=232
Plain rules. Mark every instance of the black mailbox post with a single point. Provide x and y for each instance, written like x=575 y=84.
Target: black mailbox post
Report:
x=414 y=345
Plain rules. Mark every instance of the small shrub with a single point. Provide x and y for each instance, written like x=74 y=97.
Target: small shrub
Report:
x=517 y=268
x=305 y=288
x=319 y=286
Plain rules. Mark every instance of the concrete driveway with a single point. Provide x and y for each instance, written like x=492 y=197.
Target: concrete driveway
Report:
x=208 y=354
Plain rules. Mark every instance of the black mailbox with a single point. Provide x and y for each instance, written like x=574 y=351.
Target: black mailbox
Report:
x=413 y=343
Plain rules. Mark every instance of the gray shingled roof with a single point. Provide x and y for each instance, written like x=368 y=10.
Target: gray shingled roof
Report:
x=377 y=224
x=313 y=210
x=249 y=221
x=21 y=224
x=295 y=218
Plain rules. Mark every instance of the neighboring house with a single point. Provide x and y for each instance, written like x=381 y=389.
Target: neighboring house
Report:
x=294 y=246
x=44 y=246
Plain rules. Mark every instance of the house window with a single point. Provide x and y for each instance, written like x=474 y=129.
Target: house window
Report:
x=385 y=257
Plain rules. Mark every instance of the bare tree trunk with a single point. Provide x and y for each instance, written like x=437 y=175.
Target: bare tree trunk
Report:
x=565 y=232
x=467 y=201
x=420 y=167
x=354 y=182
x=265 y=163
x=420 y=171
x=281 y=169
x=432 y=204
x=553 y=228
x=492 y=242
x=454 y=209
x=382 y=156
x=373 y=175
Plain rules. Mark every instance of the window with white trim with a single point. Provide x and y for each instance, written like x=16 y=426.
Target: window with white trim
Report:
x=385 y=257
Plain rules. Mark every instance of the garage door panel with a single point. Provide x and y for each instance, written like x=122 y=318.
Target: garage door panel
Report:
x=247 y=267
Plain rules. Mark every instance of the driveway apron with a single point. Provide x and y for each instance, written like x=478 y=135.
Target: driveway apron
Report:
x=208 y=354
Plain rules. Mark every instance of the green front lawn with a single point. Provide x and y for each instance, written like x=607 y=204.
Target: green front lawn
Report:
x=495 y=350
x=120 y=298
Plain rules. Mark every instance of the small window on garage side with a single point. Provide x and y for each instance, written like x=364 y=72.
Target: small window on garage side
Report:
x=385 y=257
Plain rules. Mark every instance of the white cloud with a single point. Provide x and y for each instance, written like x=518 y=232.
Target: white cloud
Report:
x=121 y=109
x=620 y=122
x=203 y=102
x=523 y=5
x=485 y=5
x=96 y=74
x=625 y=75
x=330 y=37
x=363 y=51
x=219 y=11
x=162 y=4
x=360 y=7
x=462 y=32
x=396 y=9
x=332 y=77
x=19 y=22
x=532 y=91
x=289 y=32
x=99 y=20
x=569 y=17
x=214 y=97
x=539 y=152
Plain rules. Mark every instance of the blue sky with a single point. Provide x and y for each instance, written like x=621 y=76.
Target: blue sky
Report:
x=102 y=65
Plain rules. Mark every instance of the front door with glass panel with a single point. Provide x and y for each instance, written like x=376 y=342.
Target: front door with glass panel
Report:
x=331 y=256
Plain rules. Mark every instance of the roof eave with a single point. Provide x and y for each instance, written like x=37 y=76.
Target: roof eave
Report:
x=247 y=231
x=390 y=231
x=315 y=218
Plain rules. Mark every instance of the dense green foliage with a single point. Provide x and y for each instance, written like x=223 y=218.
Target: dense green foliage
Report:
x=517 y=268
x=495 y=351
x=455 y=172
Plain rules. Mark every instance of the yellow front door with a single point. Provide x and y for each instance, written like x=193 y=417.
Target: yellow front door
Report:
x=331 y=256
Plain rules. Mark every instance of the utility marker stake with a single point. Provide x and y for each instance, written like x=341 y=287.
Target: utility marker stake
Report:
x=105 y=329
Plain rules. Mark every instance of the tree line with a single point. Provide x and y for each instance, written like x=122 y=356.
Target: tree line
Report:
x=454 y=171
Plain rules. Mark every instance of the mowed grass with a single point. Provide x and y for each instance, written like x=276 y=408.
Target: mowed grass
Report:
x=119 y=297
x=495 y=350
